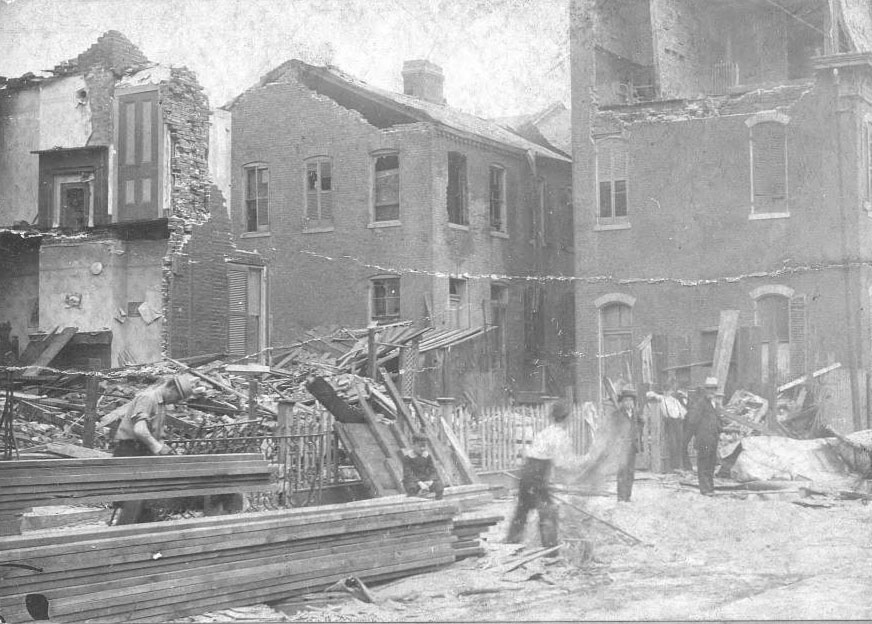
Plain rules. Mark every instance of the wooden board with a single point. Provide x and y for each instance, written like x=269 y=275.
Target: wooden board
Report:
x=724 y=347
x=56 y=343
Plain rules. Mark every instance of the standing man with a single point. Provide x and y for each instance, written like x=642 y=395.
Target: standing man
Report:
x=704 y=425
x=625 y=422
x=550 y=447
x=419 y=470
x=141 y=431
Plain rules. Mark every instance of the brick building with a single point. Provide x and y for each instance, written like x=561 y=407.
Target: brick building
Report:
x=379 y=207
x=722 y=161
x=110 y=222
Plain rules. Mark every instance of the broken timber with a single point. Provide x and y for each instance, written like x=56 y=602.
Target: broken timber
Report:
x=724 y=347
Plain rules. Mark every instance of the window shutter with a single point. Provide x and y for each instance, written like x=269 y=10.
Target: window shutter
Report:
x=312 y=185
x=770 y=185
x=237 y=291
x=798 y=335
x=326 y=187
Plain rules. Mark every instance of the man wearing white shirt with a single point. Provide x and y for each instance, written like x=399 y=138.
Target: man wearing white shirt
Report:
x=551 y=447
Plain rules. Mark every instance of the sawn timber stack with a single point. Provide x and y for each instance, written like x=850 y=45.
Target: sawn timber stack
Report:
x=167 y=570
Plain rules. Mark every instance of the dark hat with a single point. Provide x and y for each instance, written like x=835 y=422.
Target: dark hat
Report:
x=627 y=391
x=559 y=411
x=185 y=385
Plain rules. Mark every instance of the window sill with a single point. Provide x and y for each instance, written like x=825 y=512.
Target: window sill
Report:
x=254 y=234
x=605 y=227
x=499 y=234
x=458 y=226
x=318 y=229
x=384 y=224
x=764 y=216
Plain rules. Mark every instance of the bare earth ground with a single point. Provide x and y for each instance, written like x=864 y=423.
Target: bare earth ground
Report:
x=757 y=557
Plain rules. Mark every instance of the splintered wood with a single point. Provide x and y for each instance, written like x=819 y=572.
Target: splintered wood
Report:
x=172 y=569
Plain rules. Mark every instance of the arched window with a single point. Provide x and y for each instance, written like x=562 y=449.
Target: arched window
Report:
x=616 y=340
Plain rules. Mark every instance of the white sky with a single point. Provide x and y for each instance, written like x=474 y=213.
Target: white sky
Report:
x=500 y=57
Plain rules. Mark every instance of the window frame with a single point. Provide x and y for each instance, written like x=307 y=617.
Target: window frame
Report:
x=394 y=219
x=499 y=225
x=320 y=222
x=460 y=216
x=458 y=301
x=760 y=119
x=259 y=228
x=386 y=318
x=612 y=221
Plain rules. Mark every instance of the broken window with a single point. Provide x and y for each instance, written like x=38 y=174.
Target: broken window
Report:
x=611 y=175
x=256 y=198
x=497 y=196
x=138 y=158
x=458 y=211
x=319 y=189
x=499 y=301
x=72 y=207
x=616 y=340
x=457 y=300
x=385 y=299
x=769 y=167
x=387 y=188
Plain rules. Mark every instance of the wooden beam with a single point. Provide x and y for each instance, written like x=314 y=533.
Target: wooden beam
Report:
x=56 y=343
x=724 y=347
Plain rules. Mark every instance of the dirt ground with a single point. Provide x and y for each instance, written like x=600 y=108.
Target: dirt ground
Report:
x=732 y=556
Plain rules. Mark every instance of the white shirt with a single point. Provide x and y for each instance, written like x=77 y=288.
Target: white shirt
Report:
x=552 y=443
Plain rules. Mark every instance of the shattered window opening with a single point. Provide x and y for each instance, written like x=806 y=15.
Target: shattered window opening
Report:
x=256 y=198
x=497 y=198
x=385 y=300
x=611 y=170
x=457 y=298
x=457 y=197
x=769 y=167
x=319 y=189
x=387 y=188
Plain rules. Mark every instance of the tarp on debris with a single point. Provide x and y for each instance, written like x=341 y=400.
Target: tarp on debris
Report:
x=774 y=458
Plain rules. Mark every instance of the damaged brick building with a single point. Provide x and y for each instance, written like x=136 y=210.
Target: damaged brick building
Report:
x=114 y=240
x=722 y=161
x=375 y=207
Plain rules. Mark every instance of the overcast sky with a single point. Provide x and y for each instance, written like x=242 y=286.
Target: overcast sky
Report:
x=500 y=57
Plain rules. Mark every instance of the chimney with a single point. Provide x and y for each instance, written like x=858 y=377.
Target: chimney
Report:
x=424 y=80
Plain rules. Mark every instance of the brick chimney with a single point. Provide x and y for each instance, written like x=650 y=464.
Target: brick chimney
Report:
x=424 y=80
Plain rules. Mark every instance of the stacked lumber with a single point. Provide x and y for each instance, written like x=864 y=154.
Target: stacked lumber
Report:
x=468 y=528
x=155 y=572
x=40 y=483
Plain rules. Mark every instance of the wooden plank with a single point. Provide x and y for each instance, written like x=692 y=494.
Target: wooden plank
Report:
x=391 y=452
x=724 y=347
x=35 y=348
x=462 y=461
x=73 y=450
x=56 y=343
x=804 y=378
x=116 y=462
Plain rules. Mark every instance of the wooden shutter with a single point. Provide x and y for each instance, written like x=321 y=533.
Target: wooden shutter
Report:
x=798 y=335
x=237 y=293
x=326 y=188
x=138 y=156
x=313 y=183
x=770 y=184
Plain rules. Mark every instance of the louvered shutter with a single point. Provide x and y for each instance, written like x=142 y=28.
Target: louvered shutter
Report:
x=326 y=187
x=312 y=185
x=138 y=157
x=798 y=335
x=237 y=291
x=770 y=184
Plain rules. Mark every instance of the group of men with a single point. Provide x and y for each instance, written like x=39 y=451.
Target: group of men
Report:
x=552 y=449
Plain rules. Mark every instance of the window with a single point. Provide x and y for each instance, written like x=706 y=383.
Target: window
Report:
x=611 y=175
x=319 y=189
x=73 y=206
x=497 y=186
x=457 y=302
x=616 y=340
x=499 y=301
x=138 y=158
x=387 y=188
x=458 y=211
x=256 y=198
x=534 y=321
x=768 y=168
x=385 y=299
x=773 y=316
x=246 y=332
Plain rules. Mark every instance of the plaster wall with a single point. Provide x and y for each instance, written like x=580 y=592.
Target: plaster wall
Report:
x=64 y=121
x=19 y=169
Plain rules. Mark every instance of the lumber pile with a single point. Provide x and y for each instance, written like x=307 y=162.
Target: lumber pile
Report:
x=468 y=528
x=156 y=572
x=39 y=483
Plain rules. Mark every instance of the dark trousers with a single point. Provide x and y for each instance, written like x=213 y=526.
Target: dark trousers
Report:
x=627 y=471
x=437 y=488
x=533 y=493
x=133 y=511
x=706 y=459
x=676 y=444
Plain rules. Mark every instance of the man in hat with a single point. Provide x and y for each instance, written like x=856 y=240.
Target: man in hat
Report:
x=704 y=425
x=625 y=421
x=141 y=431
x=419 y=470
x=551 y=447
